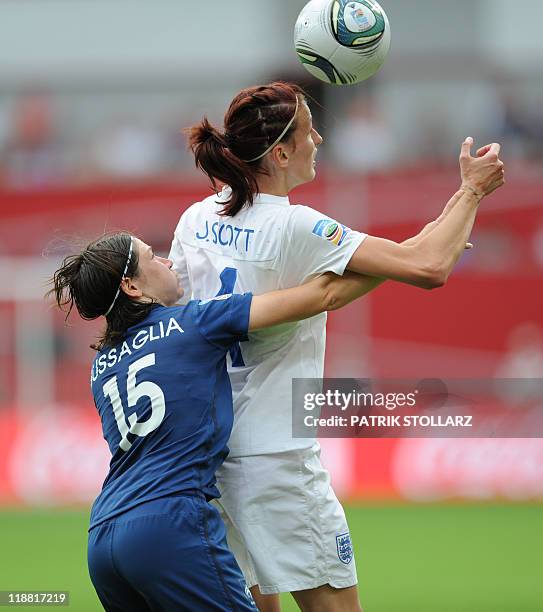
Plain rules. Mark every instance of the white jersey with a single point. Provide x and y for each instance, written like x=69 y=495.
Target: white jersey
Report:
x=270 y=245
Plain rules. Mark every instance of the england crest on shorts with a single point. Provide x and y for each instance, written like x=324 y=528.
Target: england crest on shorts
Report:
x=344 y=548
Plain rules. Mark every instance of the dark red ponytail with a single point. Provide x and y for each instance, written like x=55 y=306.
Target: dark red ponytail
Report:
x=213 y=157
x=255 y=119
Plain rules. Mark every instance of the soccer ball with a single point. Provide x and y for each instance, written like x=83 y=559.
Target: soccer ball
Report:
x=342 y=41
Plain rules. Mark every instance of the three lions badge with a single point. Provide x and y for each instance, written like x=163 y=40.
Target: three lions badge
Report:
x=344 y=548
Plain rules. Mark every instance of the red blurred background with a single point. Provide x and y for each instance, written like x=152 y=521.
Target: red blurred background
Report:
x=486 y=322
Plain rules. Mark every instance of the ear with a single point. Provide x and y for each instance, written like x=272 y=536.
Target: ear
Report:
x=280 y=155
x=130 y=286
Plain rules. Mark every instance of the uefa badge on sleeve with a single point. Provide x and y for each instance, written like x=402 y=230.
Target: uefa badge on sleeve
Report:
x=344 y=548
x=330 y=230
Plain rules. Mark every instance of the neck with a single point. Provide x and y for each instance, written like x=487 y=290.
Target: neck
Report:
x=273 y=185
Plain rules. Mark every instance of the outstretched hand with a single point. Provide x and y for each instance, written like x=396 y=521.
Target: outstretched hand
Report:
x=484 y=173
x=481 y=175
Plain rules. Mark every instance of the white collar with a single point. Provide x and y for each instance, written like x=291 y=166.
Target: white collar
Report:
x=260 y=198
x=268 y=198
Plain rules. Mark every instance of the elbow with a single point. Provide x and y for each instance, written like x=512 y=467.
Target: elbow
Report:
x=429 y=269
x=332 y=302
x=336 y=297
x=329 y=294
x=432 y=276
x=333 y=299
x=435 y=283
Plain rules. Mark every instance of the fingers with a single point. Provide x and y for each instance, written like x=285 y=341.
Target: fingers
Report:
x=483 y=150
x=494 y=150
x=465 y=151
x=469 y=245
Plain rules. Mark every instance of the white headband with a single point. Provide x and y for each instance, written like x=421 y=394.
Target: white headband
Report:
x=122 y=277
x=278 y=139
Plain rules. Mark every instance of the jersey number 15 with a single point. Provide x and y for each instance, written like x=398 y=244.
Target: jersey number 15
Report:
x=133 y=392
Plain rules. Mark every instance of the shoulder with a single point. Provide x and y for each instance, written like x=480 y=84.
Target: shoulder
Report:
x=301 y=217
x=217 y=298
x=207 y=206
x=223 y=318
x=219 y=302
x=195 y=308
x=157 y=313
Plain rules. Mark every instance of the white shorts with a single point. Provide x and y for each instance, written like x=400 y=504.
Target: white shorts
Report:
x=285 y=525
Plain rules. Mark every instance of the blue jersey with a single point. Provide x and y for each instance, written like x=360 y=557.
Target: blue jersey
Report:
x=165 y=402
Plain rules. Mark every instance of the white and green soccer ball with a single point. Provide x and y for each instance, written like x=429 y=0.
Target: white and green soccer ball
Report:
x=342 y=41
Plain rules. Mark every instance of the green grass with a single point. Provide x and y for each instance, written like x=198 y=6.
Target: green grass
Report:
x=435 y=558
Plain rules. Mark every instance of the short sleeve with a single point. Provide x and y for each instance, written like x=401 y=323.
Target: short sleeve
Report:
x=314 y=244
x=180 y=267
x=224 y=319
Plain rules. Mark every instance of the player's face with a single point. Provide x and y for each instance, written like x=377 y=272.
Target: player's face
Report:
x=306 y=139
x=155 y=278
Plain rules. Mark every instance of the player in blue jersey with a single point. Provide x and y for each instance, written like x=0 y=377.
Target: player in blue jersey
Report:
x=161 y=388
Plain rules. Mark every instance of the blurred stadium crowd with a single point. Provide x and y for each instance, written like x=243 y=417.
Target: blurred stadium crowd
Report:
x=105 y=110
x=47 y=138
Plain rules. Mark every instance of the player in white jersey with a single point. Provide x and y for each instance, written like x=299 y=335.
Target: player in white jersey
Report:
x=285 y=525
